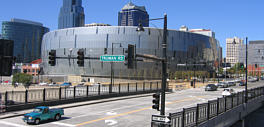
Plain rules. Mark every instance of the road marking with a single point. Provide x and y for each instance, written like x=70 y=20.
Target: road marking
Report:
x=111 y=113
x=63 y=124
x=110 y=122
x=12 y=124
x=123 y=107
x=134 y=111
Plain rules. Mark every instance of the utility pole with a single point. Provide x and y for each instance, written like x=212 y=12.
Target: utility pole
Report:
x=164 y=66
x=246 y=71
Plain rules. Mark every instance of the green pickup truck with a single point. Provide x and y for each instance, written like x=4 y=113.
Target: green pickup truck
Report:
x=42 y=113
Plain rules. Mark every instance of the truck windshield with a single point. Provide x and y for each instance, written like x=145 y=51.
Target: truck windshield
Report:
x=37 y=110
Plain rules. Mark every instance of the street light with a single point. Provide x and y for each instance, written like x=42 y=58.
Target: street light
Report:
x=164 y=60
x=246 y=71
x=112 y=72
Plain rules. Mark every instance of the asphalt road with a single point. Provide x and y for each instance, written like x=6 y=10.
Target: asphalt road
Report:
x=135 y=112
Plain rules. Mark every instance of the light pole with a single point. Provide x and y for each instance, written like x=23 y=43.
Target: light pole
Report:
x=112 y=72
x=163 y=61
x=246 y=71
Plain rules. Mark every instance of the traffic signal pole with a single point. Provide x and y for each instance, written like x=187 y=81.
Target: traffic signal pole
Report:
x=164 y=66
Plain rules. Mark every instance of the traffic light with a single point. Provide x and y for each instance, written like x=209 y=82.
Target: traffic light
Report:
x=156 y=101
x=80 y=58
x=52 y=57
x=241 y=65
x=130 y=56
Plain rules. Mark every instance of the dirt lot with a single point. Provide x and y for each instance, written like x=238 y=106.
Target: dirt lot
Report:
x=5 y=87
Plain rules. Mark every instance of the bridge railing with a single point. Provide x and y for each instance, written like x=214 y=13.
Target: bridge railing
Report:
x=194 y=116
x=10 y=98
x=203 y=112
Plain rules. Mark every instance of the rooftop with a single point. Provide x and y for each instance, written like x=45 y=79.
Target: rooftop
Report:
x=26 y=21
x=257 y=42
x=130 y=6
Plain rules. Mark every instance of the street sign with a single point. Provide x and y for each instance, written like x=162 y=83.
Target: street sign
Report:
x=112 y=58
x=159 y=118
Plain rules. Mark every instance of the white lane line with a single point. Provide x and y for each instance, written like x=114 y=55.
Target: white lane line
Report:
x=12 y=124
x=63 y=124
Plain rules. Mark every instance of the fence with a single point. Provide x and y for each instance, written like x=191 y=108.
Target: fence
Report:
x=50 y=94
x=203 y=112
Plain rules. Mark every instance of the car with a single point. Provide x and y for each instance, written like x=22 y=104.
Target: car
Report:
x=228 y=92
x=66 y=84
x=242 y=83
x=81 y=84
x=43 y=84
x=231 y=83
x=237 y=80
x=222 y=85
x=210 y=87
x=42 y=113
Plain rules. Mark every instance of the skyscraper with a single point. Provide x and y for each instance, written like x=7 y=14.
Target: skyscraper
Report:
x=27 y=37
x=71 y=14
x=131 y=15
x=233 y=46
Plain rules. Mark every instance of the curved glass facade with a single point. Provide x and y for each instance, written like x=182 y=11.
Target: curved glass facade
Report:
x=27 y=39
x=183 y=48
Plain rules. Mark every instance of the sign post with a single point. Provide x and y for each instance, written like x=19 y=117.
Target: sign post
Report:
x=112 y=58
x=160 y=120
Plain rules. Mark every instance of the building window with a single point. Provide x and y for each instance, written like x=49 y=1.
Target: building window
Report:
x=73 y=2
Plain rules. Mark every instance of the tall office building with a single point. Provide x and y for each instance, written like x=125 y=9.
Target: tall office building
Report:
x=255 y=53
x=27 y=37
x=71 y=14
x=131 y=15
x=233 y=46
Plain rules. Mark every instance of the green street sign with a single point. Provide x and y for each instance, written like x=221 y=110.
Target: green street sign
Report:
x=112 y=58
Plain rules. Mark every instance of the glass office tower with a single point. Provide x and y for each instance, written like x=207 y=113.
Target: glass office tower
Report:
x=131 y=15
x=27 y=37
x=71 y=14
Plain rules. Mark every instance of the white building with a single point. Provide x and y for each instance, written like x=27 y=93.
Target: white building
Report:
x=184 y=28
x=233 y=46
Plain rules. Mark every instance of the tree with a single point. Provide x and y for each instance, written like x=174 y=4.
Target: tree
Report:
x=25 y=79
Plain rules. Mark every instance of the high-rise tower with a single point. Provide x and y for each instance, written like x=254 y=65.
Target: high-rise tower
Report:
x=131 y=15
x=71 y=14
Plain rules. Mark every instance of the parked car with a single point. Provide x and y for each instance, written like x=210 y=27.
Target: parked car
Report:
x=66 y=84
x=43 y=84
x=210 y=87
x=228 y=91
x=42 y=113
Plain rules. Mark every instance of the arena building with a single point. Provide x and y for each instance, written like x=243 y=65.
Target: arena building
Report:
x=194 y=51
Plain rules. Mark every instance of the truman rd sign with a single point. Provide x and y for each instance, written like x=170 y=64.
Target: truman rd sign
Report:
x=112 y=58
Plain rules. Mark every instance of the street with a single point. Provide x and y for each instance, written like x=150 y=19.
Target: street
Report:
x=135 y=112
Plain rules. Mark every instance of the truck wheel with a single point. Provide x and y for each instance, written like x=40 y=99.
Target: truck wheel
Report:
x=37 y=121
x=57 y=117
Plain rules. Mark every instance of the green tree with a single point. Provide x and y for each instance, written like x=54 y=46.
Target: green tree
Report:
x=25 y=79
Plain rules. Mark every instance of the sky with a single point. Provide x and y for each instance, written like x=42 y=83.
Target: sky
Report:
x=227 y=18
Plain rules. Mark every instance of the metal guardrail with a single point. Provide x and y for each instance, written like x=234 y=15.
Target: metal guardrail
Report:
x=10 y=98
x=194 y=116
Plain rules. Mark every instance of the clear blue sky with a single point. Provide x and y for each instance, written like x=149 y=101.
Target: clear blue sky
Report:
x=228 y=18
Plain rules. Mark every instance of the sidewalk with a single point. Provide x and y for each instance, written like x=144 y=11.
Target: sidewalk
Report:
x=20 y=113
